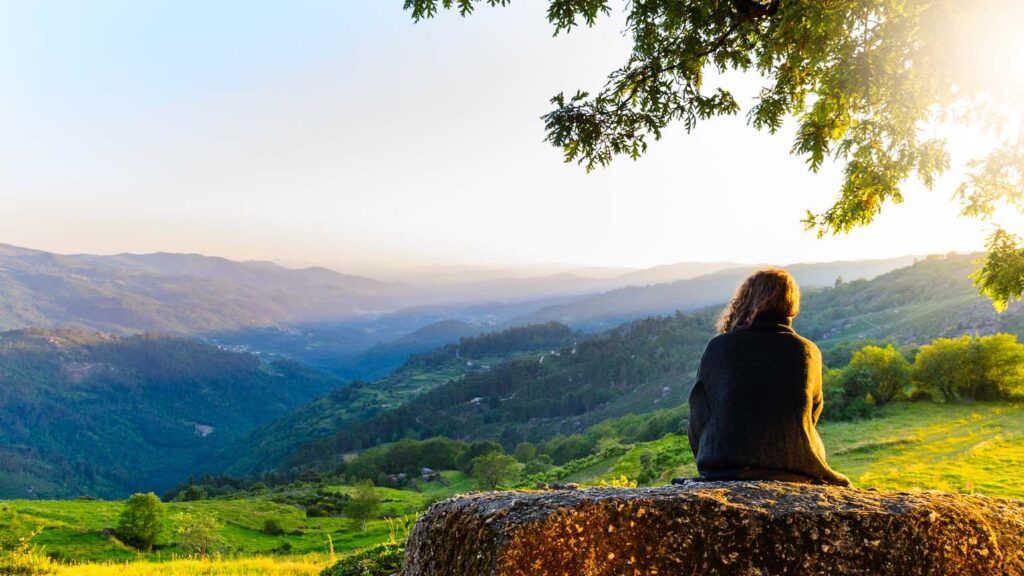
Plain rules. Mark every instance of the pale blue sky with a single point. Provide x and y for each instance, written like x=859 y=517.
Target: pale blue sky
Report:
x=341 y=133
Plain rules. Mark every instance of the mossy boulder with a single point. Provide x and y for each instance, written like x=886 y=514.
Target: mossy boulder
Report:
x=741 y=528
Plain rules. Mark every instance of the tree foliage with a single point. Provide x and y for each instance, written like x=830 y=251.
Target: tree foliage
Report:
x=198 y=533
x=494 y=468
x=982 y=368
x=864 y=79
x=364 y=504
x=141 y=521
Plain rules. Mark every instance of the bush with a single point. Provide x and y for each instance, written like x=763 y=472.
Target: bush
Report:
x=985 y=368
x=874 y=376
x=19 y=558
x=141 y=521
x=273 y=527
x=539 y=465
x=198 y=533
x=381 y=560
x=884 y=373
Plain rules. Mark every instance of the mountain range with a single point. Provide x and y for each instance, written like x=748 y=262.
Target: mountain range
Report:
x=175 y=293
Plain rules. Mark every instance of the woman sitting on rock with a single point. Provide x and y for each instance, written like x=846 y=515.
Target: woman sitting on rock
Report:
x=757 y=399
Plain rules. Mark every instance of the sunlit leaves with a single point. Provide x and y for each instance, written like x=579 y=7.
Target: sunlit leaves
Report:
x=1001 y=278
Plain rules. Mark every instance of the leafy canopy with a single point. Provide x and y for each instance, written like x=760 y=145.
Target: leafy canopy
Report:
x=141 y=521
x=493 y=468
x=364 y=504
x=867 y=81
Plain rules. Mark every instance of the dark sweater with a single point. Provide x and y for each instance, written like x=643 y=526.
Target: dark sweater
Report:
x=755 y=405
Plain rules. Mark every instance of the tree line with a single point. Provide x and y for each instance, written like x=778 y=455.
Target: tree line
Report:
x=975 y=368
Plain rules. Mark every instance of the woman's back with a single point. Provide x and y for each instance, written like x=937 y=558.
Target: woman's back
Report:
x=755 y=405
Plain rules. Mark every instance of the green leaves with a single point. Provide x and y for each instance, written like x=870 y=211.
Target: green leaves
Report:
x=1001 y=277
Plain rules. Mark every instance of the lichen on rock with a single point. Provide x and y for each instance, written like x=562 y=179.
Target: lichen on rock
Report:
x=712 y=528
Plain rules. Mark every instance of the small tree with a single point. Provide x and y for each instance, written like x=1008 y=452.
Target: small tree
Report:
x=525 y=452
x=886 y=373
x=141 y=521
x=492 y=469
x=191 y=493
x=364 y=504
x=198 y=533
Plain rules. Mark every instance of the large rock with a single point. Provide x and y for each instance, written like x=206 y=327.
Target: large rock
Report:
x=746 y=528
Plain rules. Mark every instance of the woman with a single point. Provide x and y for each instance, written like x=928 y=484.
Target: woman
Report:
x=757 y=399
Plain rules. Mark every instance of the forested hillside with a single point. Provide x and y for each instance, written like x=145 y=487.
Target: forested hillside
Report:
x=267 y=447
x=635 y=368
x=648 y=364
x=933 y=298
x=83 y=413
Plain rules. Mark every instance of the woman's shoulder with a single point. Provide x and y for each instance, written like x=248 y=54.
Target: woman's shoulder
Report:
x=809 y=346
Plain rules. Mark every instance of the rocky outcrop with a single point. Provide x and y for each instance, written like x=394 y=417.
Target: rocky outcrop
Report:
x=745 y=528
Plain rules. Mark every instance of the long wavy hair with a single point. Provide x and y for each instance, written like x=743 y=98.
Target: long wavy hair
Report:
x=769 y=291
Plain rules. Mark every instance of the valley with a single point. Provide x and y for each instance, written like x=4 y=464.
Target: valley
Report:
x=232 y=428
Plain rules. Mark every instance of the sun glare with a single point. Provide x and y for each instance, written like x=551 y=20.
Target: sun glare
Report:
x=1017 y=57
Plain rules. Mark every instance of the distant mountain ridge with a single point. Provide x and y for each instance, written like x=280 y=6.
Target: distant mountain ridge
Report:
x=176 y=293
x=611 y=308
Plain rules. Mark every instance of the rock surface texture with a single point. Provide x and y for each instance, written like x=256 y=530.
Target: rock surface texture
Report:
x=740 y=528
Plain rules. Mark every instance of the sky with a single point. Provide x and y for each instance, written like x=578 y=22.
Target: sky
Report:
x=340 y=133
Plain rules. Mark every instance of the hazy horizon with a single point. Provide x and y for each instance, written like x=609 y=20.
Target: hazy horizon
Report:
x=347 y=136
x=396 y=270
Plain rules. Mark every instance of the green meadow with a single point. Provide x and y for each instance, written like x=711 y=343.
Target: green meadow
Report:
x=75 y=530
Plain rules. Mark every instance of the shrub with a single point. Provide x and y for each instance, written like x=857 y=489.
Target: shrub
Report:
x=198 y=533
x=874 y=376
x=884 y=373
x=381 y=560
x=273 y=527
x=141 y=521
x=985 y=368
x=19 y=558
x=539 y=465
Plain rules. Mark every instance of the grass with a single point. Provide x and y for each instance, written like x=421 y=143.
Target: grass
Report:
x=970 y=448
x=73 y=531
x=262 y=566
x=967 y=448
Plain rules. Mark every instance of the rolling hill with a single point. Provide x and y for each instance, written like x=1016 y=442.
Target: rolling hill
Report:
x=611 y=308
x=85 y=413
x=179 y=293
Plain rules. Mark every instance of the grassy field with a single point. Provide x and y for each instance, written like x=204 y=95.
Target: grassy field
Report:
x=970 y=448
x=73 y=531
x=261 y=566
